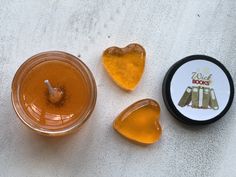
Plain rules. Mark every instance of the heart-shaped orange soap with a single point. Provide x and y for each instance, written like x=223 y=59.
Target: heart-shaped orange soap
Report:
x=140 y=122
x=125 y=65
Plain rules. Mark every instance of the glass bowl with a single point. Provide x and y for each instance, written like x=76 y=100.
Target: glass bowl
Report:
x=29 y=93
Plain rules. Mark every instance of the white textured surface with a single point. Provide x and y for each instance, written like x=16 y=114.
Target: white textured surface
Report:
x=169 y=30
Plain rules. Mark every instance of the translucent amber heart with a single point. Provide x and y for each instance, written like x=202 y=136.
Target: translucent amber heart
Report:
x=125 y=65
x=140 y=122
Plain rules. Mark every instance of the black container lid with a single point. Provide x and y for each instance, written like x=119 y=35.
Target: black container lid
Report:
x=198 y=90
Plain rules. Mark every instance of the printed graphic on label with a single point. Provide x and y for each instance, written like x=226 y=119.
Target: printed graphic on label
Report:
x=199 y=97
x=200 y=90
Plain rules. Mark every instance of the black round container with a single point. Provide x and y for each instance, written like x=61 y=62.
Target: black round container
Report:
x=198 y=90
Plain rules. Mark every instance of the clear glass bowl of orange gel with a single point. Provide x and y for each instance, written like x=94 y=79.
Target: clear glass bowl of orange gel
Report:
x=53 y=93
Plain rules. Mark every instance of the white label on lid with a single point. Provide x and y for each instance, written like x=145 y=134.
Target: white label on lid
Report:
x=200 y=74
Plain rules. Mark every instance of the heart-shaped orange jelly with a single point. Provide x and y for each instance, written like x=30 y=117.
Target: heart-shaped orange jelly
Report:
x=140 y=122
x=125 y=65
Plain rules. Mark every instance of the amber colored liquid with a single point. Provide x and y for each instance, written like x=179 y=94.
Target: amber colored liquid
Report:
x=141 y=125
x=34 y=94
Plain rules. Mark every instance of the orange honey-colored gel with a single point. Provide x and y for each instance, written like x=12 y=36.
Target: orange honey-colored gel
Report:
x=140 y=122
x=35 y=98
x=125 y=65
